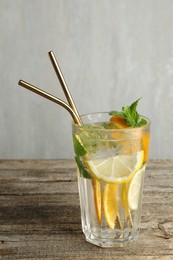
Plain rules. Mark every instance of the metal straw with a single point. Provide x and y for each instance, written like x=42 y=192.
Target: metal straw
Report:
x=63 y=84
x=50 y=97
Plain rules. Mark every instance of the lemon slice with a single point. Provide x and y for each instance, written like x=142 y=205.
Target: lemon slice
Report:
x=110 y=204
x=120 y=168
x=124 y=198
x=135 y=188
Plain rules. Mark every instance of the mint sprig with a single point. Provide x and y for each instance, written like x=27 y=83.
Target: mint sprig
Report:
x=79 y=152
x=78 y=148
x=130 y=115
x=82 y=168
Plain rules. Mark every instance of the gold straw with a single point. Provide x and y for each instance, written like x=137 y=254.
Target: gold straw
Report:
x=50 y=97
x=63 y=84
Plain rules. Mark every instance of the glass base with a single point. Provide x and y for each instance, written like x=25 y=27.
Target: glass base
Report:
x=119 y=239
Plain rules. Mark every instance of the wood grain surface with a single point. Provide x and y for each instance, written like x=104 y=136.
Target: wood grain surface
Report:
x=40 y=214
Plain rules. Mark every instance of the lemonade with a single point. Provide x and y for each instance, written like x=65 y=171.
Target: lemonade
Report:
x=111 y=157
x=111 y=152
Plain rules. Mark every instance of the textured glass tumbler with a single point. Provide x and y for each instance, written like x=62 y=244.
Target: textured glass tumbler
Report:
x=110 y=168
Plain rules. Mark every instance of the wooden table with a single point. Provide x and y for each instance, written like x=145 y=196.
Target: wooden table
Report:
x=40 y=214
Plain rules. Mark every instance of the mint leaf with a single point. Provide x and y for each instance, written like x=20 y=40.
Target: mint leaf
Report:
x=109 y=125
x=82 y=168
x=142 y=122
x=130 y=115
x=78 y=148
x=116 y=113
x=133 y=106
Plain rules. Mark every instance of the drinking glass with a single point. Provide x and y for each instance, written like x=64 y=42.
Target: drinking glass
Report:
x=110 y=168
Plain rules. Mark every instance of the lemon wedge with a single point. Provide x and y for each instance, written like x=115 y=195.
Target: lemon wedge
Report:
x=135 y=189
x=97 y=198
x=117 y=169
x=110 y=204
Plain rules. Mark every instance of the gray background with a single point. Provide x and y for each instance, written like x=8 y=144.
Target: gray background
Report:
x=111 y=53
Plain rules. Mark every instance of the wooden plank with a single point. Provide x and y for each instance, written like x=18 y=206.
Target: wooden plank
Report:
x=37 y=164
x=52 y=187
x=73 y=245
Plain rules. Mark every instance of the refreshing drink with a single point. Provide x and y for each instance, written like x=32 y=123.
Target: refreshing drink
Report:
x=111 y=157
x=111 y=152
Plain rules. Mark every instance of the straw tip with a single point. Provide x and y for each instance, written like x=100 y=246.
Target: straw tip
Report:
x=20 y=82
x=50 y=52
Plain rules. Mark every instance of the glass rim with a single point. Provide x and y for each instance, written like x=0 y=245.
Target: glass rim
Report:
x=128 y=129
